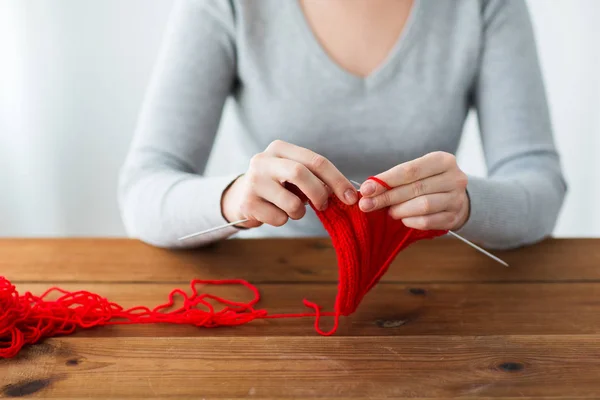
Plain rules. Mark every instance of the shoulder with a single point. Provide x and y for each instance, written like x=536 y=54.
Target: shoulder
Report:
x=500 y=12
x=478 y=18
x=238 y=18
x=491 y=6
x=479 y=11
x=220 y=12
x=232 y=12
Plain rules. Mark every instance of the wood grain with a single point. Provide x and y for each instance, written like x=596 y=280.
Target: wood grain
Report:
x=287 y=260
x=388 y=310
x=445 y=322
x=277 y=367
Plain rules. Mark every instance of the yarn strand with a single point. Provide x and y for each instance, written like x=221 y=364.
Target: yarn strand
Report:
x=365 y=246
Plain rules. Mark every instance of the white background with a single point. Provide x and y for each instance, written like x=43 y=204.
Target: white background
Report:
x=73 y=74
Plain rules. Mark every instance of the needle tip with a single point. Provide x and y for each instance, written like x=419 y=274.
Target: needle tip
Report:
x=487 y=253
x=355 y=183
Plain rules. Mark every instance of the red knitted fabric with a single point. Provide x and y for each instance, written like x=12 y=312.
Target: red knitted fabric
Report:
x=365 y=245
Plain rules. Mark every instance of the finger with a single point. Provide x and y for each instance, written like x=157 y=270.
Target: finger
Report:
x=428 y=165
x=294 y=189
x=444 y=220
x=284 y=199
x=295 y=176
x=424 y=205
x=261 y=210
x=434 y=184
x=318 y=165
x=293 y=172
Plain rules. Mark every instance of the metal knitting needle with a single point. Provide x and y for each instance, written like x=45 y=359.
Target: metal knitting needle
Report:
x=456 y=235
x=493 y=257
x=241 y=221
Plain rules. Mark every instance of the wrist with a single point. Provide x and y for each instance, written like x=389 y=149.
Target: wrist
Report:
x=230 y=209
x=465 y=211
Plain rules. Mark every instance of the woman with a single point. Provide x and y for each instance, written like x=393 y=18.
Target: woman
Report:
x=324 y=92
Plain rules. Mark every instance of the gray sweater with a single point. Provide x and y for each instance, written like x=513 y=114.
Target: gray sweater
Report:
x=263 y=59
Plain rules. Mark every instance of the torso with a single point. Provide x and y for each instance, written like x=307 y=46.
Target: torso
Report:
x=366 y=107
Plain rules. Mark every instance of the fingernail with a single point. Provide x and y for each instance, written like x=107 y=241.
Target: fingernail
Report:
x=350 y=196
x=366 y=204
x=367 y=189
x=324 y=206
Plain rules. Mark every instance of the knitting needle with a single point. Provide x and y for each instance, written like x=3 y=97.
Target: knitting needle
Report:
x=493 y=257
x=456 y=235
x=241 y=221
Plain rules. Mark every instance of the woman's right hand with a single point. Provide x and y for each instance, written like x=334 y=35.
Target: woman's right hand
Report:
x=260 y=196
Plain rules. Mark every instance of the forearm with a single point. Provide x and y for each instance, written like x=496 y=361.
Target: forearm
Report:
x=160 y=205
x=519 y=203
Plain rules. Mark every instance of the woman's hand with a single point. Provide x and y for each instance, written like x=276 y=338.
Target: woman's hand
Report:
x=260 y=196
x=427 y=193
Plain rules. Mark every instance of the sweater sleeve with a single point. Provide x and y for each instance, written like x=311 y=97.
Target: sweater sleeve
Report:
x=518 y=203
x=162 y=192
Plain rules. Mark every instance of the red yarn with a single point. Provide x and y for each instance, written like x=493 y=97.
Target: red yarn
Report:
x=365 y=245
x=382 y=183
x=25 y=319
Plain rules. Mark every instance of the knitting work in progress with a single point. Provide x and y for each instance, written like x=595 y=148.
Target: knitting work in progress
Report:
x=365 y=245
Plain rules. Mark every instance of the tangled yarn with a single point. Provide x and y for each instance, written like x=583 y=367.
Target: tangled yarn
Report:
x=365 y=245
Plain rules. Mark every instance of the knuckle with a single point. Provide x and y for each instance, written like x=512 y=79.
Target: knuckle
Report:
x=297 y=171
x=275 y=145
x=446 y=159
x=385 y=199
x=418 y=188
x=318 y=162
x=425 y=205
x=424 y=223
x=338 y=184
x=321 y=201
x=410 y=171
x=256 y=160
x=323 y=195
x=436 y=155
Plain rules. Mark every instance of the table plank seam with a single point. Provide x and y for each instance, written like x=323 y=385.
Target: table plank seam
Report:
x=301 y=282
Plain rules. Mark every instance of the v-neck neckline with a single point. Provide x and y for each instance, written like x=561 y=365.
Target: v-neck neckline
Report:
x=335 y=70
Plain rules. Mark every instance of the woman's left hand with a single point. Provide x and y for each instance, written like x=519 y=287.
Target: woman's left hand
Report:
x=427 y=193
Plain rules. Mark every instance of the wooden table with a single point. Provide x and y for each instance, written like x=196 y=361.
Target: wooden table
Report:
x=445 y=322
